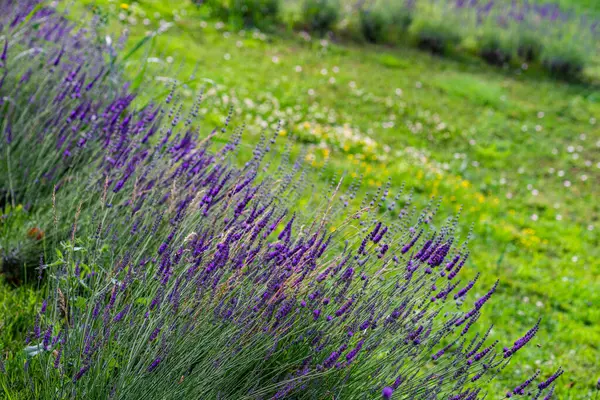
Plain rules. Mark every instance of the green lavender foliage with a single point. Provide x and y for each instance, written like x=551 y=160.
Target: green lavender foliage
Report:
x=437 y=36
x=564 y=61
x=262 y=14
x=385 y=21
x=320 y=16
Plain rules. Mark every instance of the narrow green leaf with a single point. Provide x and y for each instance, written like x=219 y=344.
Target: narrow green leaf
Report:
x=8 y=396
x=138 y=46
x=140 y=76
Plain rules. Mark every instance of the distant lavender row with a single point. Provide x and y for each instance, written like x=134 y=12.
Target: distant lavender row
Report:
x=563 y=41
x=502 y=13
x=526 y=11
x=517 y=33
x=188 y=272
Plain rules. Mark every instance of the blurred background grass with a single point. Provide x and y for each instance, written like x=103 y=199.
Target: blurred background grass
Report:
x=512 y=145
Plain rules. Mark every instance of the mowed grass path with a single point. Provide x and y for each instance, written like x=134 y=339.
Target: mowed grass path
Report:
x=519 y=153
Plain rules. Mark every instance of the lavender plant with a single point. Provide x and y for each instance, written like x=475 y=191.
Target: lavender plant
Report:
x=497 y=49
x=55 y=86
x=188 y=272
x=261 y=14
x=60 y=101
x=239 y=297
x=320 y=15
x=385 y=21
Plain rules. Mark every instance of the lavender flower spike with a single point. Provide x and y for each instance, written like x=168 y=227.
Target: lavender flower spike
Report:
x=522 y=341
x=154 y=364
x=387 y=393
x=552 y=378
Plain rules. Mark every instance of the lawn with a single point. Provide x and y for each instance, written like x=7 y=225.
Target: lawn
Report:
x=517 y=151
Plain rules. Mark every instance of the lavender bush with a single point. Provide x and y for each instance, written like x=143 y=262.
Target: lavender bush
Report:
x=385 y=21
x=437 y=35
x=535 y=32
x=497 y=49
x=187 y=271
x=49 y=65
x=261 y=14
x=59 y=106
x=320 y=16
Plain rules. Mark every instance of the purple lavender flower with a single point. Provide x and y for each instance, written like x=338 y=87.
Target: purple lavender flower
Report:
x=154 y=364
x=550 y=393
x=316 y=314
x=453 y=262
x=352 y=354
x=479 y=303
x=456 y=270
x=521 y=342
x=462 y=292
x=377 y=237
x=4 y=52
x=543 y=385
x=333 y=357
x=520 y=390
x=36 y=327
x=411 y=243
x=483 y=353
x=96 y=310
x=80 y=373
x=344 y=307
x=121 y=314
x=387 y=393
x=348 y=274
x=442 y=352
x=58 y=357
x=113 y=297
x=47 y=337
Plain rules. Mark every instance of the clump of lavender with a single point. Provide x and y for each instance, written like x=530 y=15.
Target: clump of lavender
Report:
x=189 y=273
x=59 y=100
x=202 y=280
x=61 y=113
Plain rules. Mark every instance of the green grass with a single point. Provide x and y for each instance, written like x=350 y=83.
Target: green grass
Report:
x=474 y=135
x=17 y=309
